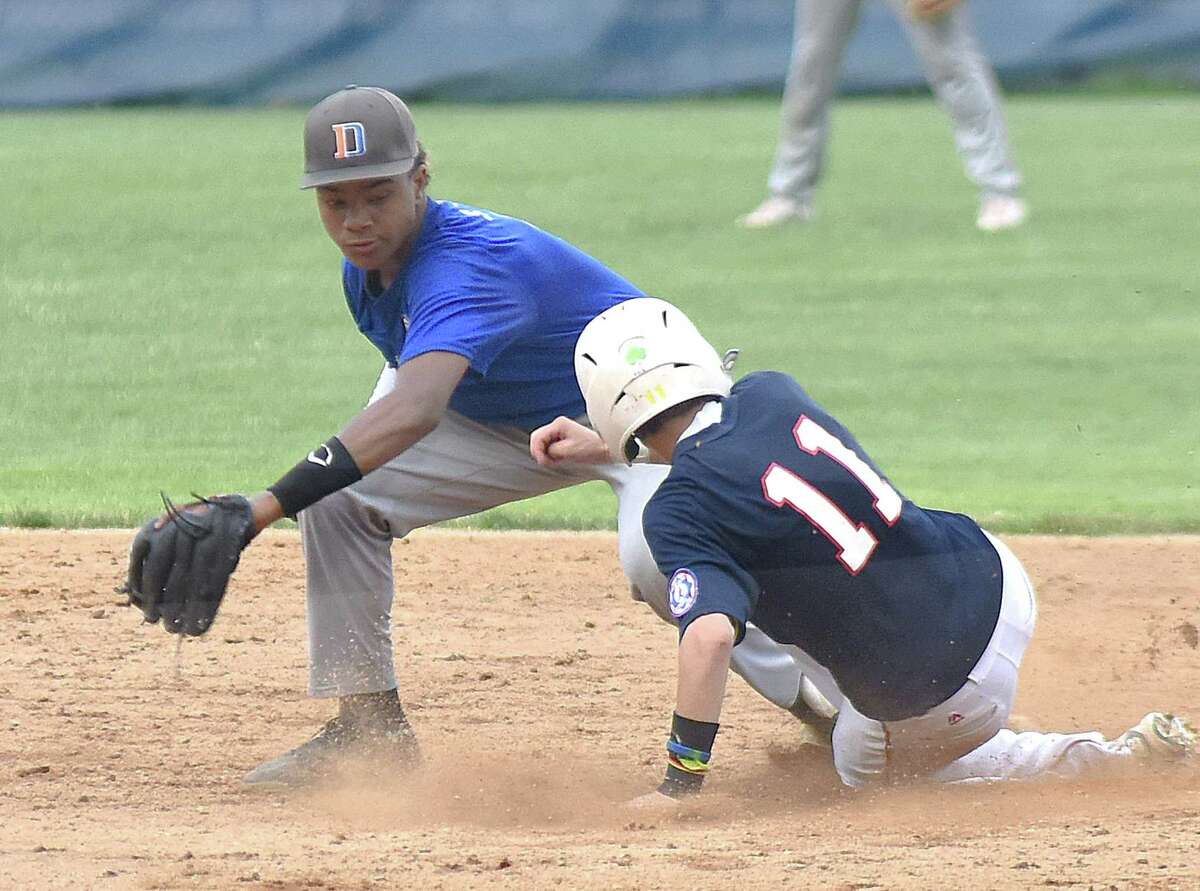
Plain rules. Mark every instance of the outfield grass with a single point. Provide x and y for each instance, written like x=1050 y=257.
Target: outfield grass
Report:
x=172 y=316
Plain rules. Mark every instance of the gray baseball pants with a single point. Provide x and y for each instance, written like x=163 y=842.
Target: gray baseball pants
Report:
x=462 y=468
x=954 y=64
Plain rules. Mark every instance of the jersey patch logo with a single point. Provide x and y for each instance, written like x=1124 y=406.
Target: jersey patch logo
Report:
x=349 y=140
x=682 y=592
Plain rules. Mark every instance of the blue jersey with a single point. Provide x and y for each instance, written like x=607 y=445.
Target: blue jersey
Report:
x=776 y=515
x=500 y=292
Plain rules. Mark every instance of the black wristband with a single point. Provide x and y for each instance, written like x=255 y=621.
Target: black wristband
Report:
x=689 y=749
x=693 y=734
x=328 y=468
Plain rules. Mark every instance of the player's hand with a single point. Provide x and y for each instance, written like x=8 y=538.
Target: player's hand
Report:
x=564 y=441
x=180 y=562
x=930 y=9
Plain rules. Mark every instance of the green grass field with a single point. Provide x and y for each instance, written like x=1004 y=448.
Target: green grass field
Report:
x=172 y=314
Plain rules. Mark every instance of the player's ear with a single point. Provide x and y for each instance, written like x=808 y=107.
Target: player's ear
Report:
x=420 y=180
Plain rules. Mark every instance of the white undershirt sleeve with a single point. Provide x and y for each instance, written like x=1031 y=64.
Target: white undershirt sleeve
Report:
x=385 y=384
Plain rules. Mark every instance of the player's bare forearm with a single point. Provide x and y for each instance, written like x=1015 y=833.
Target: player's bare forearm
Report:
x=564 y=441
x=378 y=434
x=704 y=654
x=386 y=429
x=392 y=424
x=266 y=509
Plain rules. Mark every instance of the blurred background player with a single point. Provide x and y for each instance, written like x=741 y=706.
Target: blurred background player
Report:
x=940 y=31
x=911 y=622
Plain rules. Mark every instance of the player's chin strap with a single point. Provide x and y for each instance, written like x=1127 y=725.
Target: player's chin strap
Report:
x=728 y=360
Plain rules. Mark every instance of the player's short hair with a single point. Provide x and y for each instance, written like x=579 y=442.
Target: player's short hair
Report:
x=657 y=422
x=421 y=158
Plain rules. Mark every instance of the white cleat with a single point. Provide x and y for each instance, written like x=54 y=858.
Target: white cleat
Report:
x=1161 y=737
x=999 y=212
x=775 y=211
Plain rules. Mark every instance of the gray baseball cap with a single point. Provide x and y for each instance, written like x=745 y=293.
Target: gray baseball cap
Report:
x=357 y=133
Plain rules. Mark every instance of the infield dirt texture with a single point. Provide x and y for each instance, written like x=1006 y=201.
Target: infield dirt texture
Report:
x=542 y=694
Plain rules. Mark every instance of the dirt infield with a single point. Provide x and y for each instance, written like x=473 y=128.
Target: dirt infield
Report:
x=542 y=695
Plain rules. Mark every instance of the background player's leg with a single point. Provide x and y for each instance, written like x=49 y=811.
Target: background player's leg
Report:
x=962 y=78
x=822 y=28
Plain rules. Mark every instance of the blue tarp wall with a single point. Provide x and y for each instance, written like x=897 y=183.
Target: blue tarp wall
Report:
x=70 y=52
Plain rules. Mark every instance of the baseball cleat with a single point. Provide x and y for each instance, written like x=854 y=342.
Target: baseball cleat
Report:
x=1161 y=737
x=999 y=212
x=321 y=759
x=775 y=211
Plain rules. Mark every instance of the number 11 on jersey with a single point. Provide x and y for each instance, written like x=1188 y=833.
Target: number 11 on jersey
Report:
x=854 y=541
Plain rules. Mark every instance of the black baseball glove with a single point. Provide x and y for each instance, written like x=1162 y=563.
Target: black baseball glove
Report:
x=180 y=563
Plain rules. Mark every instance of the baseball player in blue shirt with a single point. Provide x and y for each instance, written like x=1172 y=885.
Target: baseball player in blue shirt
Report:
x=476 y=315
x=911 y=622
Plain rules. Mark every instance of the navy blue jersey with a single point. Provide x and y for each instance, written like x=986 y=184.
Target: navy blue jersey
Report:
x=776 y=515
x=500 y=292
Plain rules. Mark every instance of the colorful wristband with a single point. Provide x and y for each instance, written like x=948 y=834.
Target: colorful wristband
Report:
x=689 y=750
x=686 y=758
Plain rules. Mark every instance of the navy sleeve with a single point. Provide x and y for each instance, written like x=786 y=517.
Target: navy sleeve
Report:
x=703 y=577
x=470 y=308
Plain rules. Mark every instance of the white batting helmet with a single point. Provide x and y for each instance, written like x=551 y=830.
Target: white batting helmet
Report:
x=638 y=359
